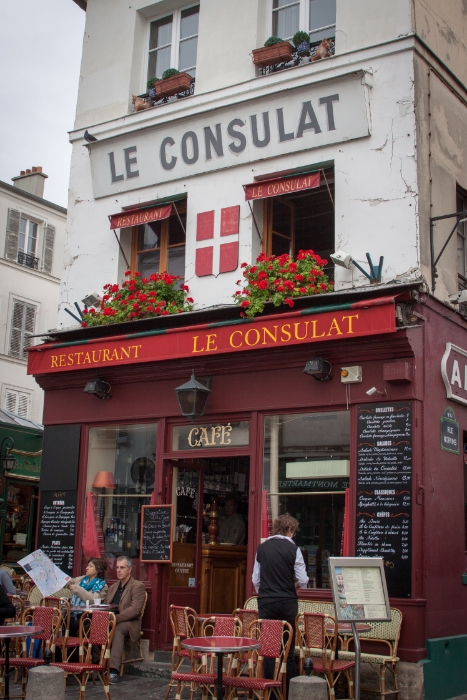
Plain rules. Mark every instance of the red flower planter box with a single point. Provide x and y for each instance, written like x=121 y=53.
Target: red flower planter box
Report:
x=173 y=85
x=270 y=55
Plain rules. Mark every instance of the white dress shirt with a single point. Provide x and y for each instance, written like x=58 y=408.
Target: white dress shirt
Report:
x=299 y=567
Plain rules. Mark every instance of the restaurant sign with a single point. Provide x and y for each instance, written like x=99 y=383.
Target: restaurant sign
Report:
x=284 y=185
x=454 y=373
x=135 y=217
x=312 y=325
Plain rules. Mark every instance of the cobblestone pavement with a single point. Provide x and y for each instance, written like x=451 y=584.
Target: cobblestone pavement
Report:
x=128 y=686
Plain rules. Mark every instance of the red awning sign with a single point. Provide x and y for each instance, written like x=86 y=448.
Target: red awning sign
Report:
x=135 y=217
x=281 y=185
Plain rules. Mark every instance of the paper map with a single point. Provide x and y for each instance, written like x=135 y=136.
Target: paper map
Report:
x=45 y=574
x=360 y=591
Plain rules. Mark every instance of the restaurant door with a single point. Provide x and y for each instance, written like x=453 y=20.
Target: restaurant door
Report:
x=207 y=577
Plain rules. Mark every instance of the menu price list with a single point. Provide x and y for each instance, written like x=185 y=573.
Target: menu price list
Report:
x=57 y=524
x=384 y=490
x=156 y=529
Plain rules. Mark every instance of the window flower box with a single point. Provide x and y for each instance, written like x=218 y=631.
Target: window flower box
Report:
x=173 y=85
x=271 y=55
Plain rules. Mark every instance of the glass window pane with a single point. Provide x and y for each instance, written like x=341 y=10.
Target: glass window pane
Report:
x=149 y=263
x=159 y=61
x=188 y=50
x=32 y=237
x=160 y=33
x=461 y=254
x=281 y=218
x=286 y=22
x=121 y=464
x=322 y=13
x=176 y=232
x=176 y=262
x=23 y=225
x=149 y=235
x=189 y=22
x=15 y=545
x=282 y=3
x=281 y=245
x=306 y=469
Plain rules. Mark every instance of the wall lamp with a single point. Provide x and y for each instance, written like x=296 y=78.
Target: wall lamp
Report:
x=343 y=259
x=193 y=395
x=374 y=390
x=319 y=369
x=98 y=387
x=8 y=460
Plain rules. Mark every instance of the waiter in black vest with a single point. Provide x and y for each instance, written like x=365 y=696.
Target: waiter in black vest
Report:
x=279 y=570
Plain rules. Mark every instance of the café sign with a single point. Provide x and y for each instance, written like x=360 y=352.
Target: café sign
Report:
x=454 y=373
x=187 y=437
x=249 y=130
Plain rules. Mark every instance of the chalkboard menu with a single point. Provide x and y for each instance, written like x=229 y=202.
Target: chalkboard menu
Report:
x=57 y=524
x=384 y=490
x=156 y=533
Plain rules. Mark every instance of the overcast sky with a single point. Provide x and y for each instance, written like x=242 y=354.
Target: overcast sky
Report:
x=40 y=54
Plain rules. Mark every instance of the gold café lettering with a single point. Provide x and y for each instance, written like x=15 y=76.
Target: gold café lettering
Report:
x=210 y=436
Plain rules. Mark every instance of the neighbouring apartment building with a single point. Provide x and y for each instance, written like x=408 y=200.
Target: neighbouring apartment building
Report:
x=32 y=233
x=361 y=151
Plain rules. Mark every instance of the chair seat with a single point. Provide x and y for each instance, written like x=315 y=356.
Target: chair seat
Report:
x=22 y=662
x=70 y=667
x=187 y=654
x=206 y=678
x=338 y=665
x=251 y=683
x=369 y=658
x=74 y=641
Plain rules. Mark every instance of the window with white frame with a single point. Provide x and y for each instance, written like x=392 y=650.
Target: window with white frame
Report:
x=23 y=320
x=173 y=42
x=27 y=236
x=17 y=402
x=317 y=16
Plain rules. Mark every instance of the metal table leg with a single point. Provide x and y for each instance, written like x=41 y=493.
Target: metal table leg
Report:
x=220 y=666
x=357 y=661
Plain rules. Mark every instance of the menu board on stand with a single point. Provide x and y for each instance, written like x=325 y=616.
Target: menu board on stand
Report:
x=157 y=534
x=360 y=595
x=384 y=490
x=57 y=524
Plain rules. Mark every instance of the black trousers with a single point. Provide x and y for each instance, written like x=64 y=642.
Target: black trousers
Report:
x=287 y=610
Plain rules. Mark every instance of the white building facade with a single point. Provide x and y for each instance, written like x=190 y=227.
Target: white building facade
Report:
x=32 y=233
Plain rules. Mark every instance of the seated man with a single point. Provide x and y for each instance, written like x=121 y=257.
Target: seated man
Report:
x=232 y=527
x=129 y=595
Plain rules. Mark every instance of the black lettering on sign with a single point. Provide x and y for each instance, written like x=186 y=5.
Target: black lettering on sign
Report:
x=156 y=533
x=57 y=525
x=384 y=491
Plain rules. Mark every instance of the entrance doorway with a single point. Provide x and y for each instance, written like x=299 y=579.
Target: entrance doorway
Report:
x=208 y=569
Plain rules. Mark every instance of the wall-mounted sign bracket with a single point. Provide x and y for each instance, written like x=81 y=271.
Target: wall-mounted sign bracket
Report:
x=459 y=216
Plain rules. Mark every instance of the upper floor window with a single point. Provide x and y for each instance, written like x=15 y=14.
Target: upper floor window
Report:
x=22 y=242
x=173 y=42
x=23 y=321
x=462 y=240
x=17 y=402
x=317 y=16
x=160 y=245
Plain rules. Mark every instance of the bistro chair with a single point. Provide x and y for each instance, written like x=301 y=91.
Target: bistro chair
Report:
x=221 y=626
x=18 y=605
x=10 y=571
x=185 y=624
x=96 y=628
x=50 y=619
x=246 y=617
x=132 y=659
x=275 y=639
x=315 y=642
x=26 y=583
x=65 y=642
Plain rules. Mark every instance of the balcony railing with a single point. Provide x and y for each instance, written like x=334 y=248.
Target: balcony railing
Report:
x=157 y=102
x=297 y=60
x=28 y=260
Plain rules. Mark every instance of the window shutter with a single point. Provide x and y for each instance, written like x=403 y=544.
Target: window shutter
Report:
x=23 y=405
x=11 y=401
x=48 y=249
x=12 y=233
x=22 y=328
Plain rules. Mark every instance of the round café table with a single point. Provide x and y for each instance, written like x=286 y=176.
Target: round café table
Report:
x=8 y=632
x=220 y=646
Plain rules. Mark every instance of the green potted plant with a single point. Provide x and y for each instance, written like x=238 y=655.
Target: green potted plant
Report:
x=151 y=86
x=275 y=50
x=301 y=41
x=172 y=83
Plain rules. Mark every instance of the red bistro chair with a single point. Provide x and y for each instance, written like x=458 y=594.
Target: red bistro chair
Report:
x=246 y=617
x=221 y=626
x=185 y=624
x=97 y=628
x=275 y=639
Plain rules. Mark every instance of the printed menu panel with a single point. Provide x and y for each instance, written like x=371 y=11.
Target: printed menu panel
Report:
x=384 y=490
x=156 y=533
x=57 y=524
x=360 y=592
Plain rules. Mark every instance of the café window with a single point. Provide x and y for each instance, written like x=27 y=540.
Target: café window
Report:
x=121 y=472
x=318 y=16
x=302 y=220
x=306 y=471
x=159 y=246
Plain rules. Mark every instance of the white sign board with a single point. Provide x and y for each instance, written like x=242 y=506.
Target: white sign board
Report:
x=46 y=575
x=454 y=373
x=289 y=121
x=359 y=589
